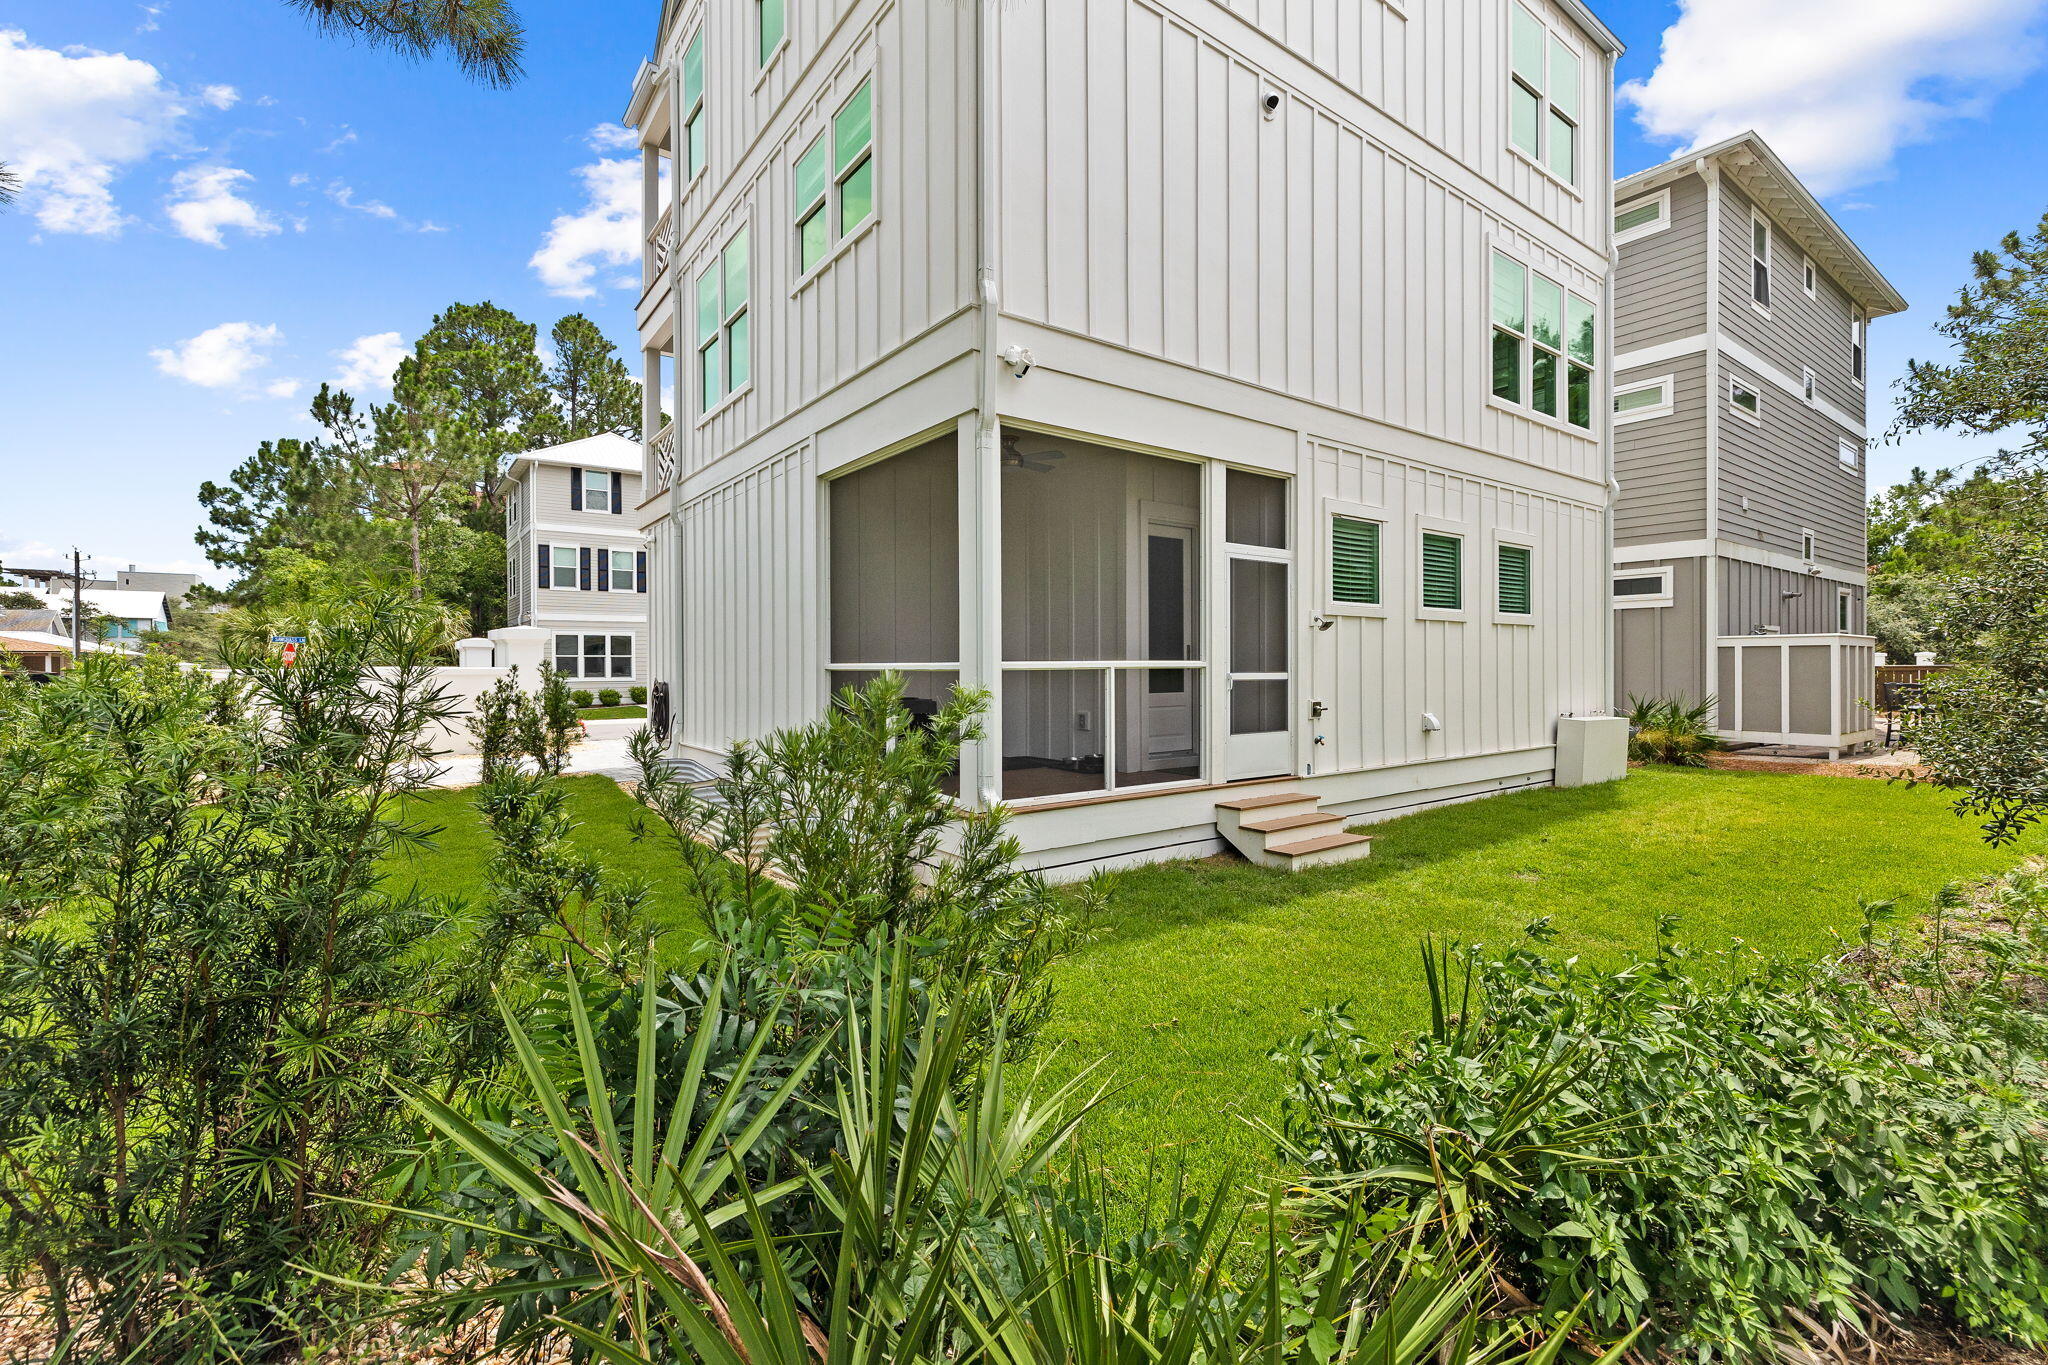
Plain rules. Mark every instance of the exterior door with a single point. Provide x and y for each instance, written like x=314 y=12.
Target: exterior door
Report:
x=1167 y=724
x=1259 y=685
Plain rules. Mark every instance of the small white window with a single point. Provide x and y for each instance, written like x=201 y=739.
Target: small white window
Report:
x=1643 y=400
x=1641 y=217
x=1806 y=545
x=1806 y=385
x=1745 y=401
x=597 y=490
x=1850 y=453
x=1644 y=587
x=1809 y=278
x=1845 y=610
x=1759 y=262
x=564 y=566
x=1856 y=335
x=622 y=570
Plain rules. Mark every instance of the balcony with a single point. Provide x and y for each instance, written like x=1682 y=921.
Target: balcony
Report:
x=661 y=247
x=662 y=461
x=1814 y=691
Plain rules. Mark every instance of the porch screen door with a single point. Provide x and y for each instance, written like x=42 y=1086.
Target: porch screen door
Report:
x=1258 y=678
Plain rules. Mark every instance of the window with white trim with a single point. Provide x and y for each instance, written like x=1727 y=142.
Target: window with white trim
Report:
x=1857 y=326
x=1850 y=453
x=1806 y=385
x=1745 y=400
x=1759 y=260
x=1845 y=610
x=1544 y=341
x=1443 y=571
x=693 y=108
x=1514 y=575
x=621 y=568
x=1809 y=277
x=1544 y=86
x=1647 y=587
x=563 y=566
x=1354 y=560
x=1807 y=544
x=771 y=21
x=834 y=189
x=1642 y=400
x=597 y=490
x=594 y=656
x=1641 y=217
x=724 y=347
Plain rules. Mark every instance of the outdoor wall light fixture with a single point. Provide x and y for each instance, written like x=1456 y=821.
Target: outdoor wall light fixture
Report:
x=1019 y=359
x=1270 y=103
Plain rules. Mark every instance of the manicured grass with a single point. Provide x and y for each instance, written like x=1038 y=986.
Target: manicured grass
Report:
x=611 y=712
x=1201 y=968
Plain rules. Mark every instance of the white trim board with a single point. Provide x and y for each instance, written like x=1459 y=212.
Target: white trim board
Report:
x=1734 y=549
x=1665 y=352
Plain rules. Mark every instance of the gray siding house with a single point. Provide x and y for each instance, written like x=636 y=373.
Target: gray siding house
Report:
x=1219 y=384
x=1741 y=363
x=575 y=561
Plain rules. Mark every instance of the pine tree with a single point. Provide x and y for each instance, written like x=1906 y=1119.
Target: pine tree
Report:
x=594 y=393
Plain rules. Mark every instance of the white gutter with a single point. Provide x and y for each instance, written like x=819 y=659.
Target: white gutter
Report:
x=986 y=510
x=1710 y=566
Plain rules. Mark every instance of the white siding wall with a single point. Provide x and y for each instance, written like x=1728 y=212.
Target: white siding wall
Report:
x=1495 y=687
x=1324 y=254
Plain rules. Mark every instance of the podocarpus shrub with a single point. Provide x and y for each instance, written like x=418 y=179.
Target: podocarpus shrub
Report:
x=584 y=700
x=1716 y=1146
x=608 y=696
x=638 y=694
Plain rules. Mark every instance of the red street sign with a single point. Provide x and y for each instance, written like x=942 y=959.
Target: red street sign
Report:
x=291 y=652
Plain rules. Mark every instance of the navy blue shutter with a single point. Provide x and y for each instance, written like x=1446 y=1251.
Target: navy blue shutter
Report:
x=576 y=490
x=640 y=571
x=583 y=563
x=604 y=570
x=544 y=566
x=618 y=494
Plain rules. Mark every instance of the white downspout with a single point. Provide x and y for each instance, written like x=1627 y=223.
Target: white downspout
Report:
x=1710 y=566
x=981 y=650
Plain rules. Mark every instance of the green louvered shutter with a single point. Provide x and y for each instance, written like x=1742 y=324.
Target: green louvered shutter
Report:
x=1514 y=579
x=1443 y=586
x=1354 y=560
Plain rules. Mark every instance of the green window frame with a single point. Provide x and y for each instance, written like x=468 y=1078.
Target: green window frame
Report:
x=771 y=22
x=853 y=158
x=693 y=138
x=1545 y=89
x=1514 y=570
x=724 y=325
x=1443 y=571
x=1354 y=560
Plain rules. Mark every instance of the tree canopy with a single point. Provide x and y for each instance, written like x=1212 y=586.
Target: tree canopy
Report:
x=485 y=37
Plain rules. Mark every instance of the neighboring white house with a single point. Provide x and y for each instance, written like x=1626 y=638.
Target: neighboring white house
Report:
x=1220 y=384
x=125 y=613
x=576 y=563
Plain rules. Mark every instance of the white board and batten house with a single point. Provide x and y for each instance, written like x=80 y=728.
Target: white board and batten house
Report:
x=1742 y=314
x=576 y=561
x=1219 y=385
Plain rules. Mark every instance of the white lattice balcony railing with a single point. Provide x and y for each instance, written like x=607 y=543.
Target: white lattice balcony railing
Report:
x=663 y=449
x=661 y=244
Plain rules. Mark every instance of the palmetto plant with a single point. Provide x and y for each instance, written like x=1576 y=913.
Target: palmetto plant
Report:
x=1667 y=730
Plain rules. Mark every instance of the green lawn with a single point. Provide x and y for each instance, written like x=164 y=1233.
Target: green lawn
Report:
x=626 y=712
x=1201 y=968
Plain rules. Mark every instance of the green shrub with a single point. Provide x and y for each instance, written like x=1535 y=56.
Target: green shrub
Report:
x=608 y=696
x=1717 y=1147
x=638 y=694
x=582 y=698
x=1667 y=730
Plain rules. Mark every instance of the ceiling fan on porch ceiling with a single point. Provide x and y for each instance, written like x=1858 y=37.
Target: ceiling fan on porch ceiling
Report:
x=1036 y=461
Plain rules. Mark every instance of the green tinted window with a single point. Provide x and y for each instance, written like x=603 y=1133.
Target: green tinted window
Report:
x=712 y=365
x=1354 y=560
x=772 y=24
x=1639 y=215
x=1509 y=285
x=1507 y=366
x=853 y=128
x=1564 y=78
x=1543 y=382
x=1514 y=579
x=1579 y=397
x=810 y=176
x=739 y=354
x=1443 y=586
x=1546 y=312
x=857 y=197
x=693 y=73
x=1564 y=148
x=1580 y=335
x=1528 y=39
x=812 y=239
x=736 y=272
x=709 y=313
x=1525 y=114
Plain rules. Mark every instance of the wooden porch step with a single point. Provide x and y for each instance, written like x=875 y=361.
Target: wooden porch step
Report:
x=1280 y=823
x=1322 y=843
x=1270 y=799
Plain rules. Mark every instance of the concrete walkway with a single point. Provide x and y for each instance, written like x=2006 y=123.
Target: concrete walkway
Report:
x=603 y=750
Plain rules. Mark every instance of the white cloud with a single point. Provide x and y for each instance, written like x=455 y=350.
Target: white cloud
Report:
x=605 y=233
x=1835 y=93
x=611 y=137
x=205 y=199
x=221 y=96
x=370 y=361
x=282 y=388
x=222 y=357
x=150 y=15
x=73 y=120
x=346 y=197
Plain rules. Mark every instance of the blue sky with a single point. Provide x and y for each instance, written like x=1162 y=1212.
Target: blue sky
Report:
x=223 y=209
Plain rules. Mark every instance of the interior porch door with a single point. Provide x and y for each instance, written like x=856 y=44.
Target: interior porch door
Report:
x=1258 y=682
x=1167 y=625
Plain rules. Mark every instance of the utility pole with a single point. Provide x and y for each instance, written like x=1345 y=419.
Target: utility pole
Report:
x=77 y=610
